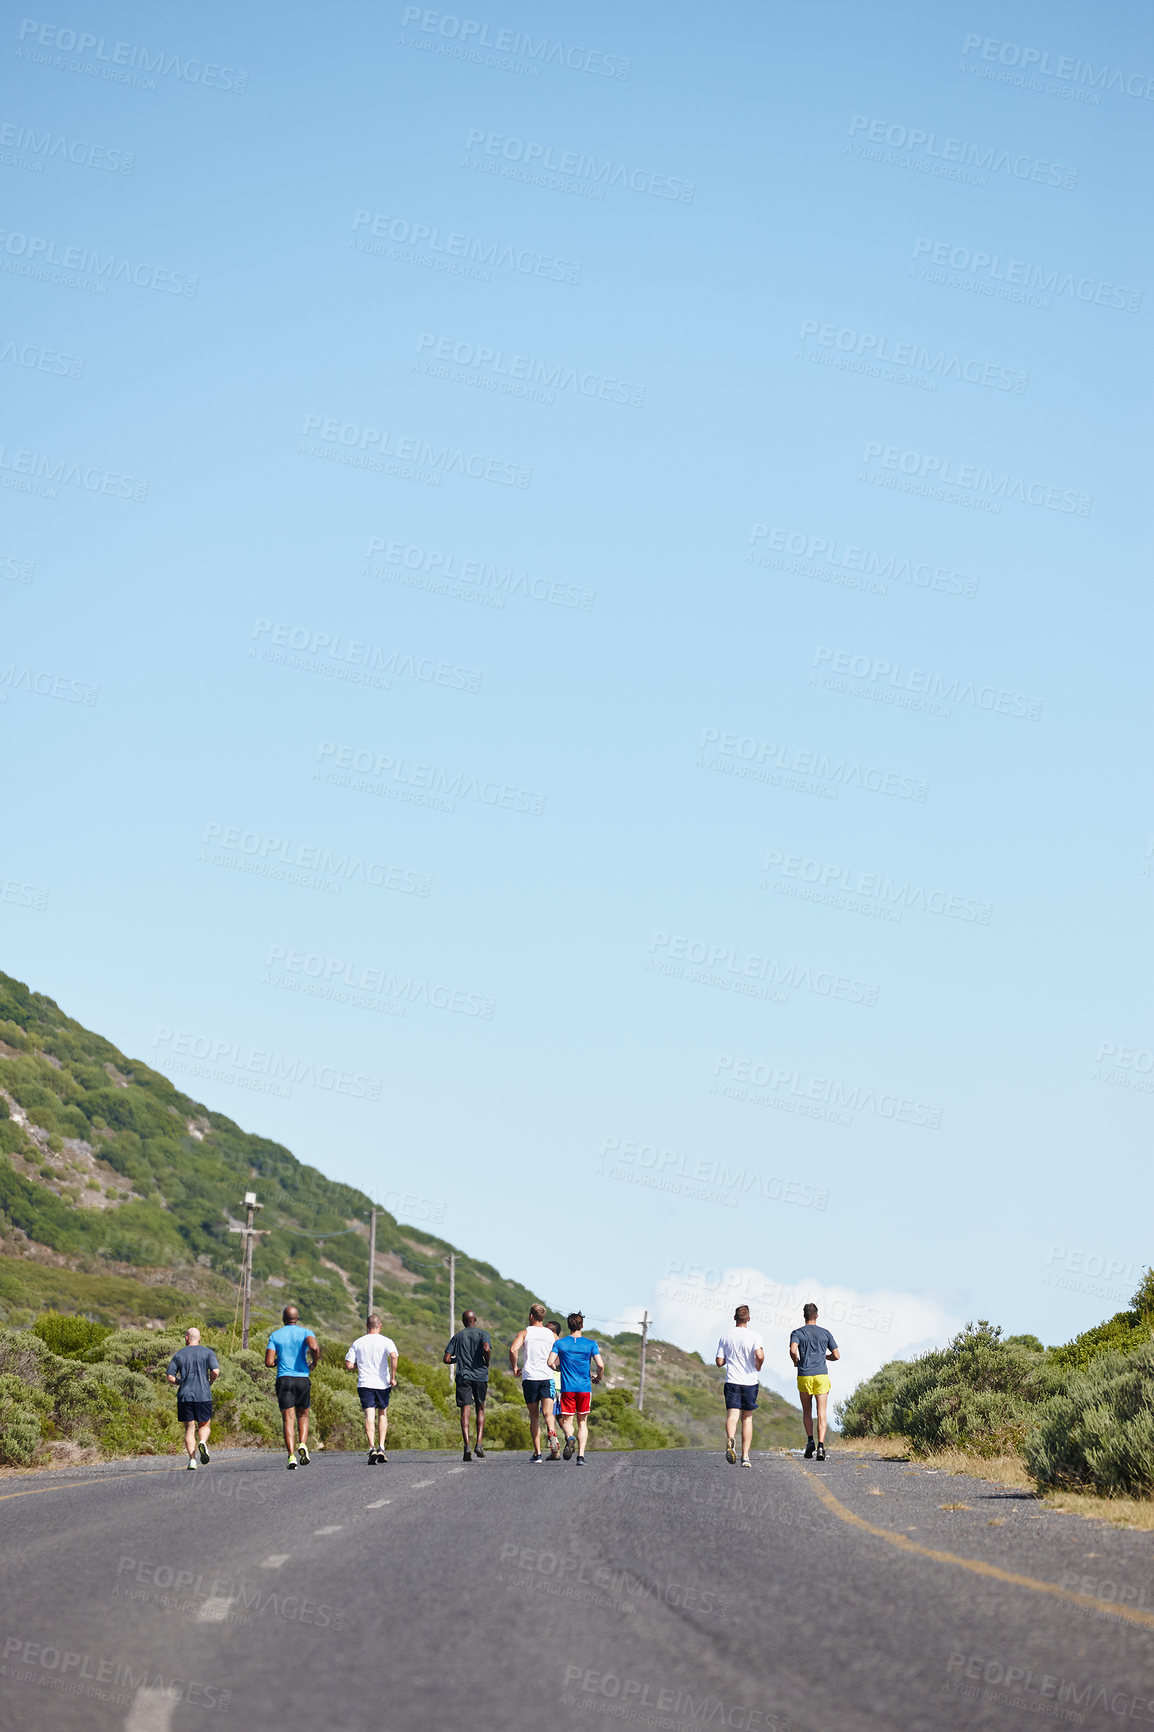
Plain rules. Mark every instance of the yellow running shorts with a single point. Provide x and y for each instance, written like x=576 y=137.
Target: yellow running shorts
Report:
x=813 y=1385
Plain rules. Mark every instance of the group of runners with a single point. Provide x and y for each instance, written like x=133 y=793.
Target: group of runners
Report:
x=557 y=1372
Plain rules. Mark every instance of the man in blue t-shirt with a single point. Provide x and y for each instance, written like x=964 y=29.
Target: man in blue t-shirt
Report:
x=294 y=1352
x=809 y=1348
x=573 y=1357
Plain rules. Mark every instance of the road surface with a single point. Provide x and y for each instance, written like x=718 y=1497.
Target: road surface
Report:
x=660 y=1589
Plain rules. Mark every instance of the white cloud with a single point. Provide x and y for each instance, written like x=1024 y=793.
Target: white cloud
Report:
x=695 y=1306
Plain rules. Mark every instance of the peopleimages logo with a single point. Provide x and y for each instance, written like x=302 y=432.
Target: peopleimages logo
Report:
x=765 y=761
x=746 y=966
x=986 y=158
x=130 y=56
x=1078 y=72
x=473 y=34
x=341 y=868
x=367 y=447
x=849 y=563
x=497 y=370
x=579 y=165
x=352 y=983
x=891 y=677
x=463 y=253
x=783 y=1086
x=944 y=472
x=46 y=146
x=96 y=270
x=990 y=268
x=842 y=886
x=939 y=363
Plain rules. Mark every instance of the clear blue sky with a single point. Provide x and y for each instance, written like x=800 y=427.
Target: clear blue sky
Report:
x=783 y=375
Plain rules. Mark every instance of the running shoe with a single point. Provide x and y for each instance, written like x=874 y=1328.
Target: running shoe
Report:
x=536 y=1455
x=745 y=1461
x=821 y=1452
x=479 y=1453
x=570 y=1446
x=203 y=1453
x=372 y=1458
x=468 y=1455
x=192 y=1464
x=303 y=1452
x=730 y=1452
x=809 y=1448
x=382 y=1458
x=580 y=1461
x=291 y=1462
x=554 y=1448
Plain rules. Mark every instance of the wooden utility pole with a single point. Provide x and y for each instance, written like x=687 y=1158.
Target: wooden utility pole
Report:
x=372 y=1254
x=250 y=1233
x=641 y=1379
x=452 y=1302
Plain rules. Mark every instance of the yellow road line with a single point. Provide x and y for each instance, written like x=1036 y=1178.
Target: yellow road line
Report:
x=77 y=1484
x=1132 y=1613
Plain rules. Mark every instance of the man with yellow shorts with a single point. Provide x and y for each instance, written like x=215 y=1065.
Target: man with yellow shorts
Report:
x=809 y=1348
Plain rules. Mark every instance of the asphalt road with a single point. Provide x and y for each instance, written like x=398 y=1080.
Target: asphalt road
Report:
x=664 y=1589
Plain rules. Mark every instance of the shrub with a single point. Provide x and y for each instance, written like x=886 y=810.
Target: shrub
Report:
x=506 y=1425
x=69 y=1336
x=147 y=1350
x=1098 y=1434
x=1121 y=1334
x=414 y=1422
x=978 y=1393
x=19 y=1436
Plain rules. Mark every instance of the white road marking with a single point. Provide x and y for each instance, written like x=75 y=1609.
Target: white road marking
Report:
x=275 y=1562
x=335 y=1530
x=451 y=1470
x=213 y=1612
x=380 y=1503
x=152 y=1711
x=418 y=1483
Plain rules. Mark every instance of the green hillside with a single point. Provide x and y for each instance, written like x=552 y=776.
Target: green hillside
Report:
x=117 y=1195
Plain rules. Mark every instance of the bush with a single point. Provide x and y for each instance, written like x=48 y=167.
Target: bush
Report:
x=614 y=1423
x=506 y=1425
x=414 y=1421
x=979 y=1393
x=70 y=1336
x=1098 y=1434
x=19 y=1436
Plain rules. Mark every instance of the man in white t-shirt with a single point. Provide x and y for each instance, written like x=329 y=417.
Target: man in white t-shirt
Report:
x=538 y=1342
x=742 y=1352
x=374 y=1359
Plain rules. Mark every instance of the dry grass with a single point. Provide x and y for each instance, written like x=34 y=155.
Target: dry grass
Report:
x=1005 y=1470
x=877 y=1448
x=1119 y=1512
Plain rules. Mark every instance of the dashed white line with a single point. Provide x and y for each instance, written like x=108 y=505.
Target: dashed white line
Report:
x=380 y=1503
x=213 y=1611
x=152 y=1711
x=419 y=1483
x=275 y=1562
x=335 y=1530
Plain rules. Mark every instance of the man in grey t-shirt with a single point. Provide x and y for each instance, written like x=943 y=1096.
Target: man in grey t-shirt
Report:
x=194 y=1370
x=809 y=1348
x=469 y=1350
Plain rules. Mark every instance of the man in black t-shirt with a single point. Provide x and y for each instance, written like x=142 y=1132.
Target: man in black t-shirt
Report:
x=194 y=1370
x=469 y=1350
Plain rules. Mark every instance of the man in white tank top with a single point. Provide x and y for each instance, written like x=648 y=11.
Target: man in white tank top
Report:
x=538 y=1343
